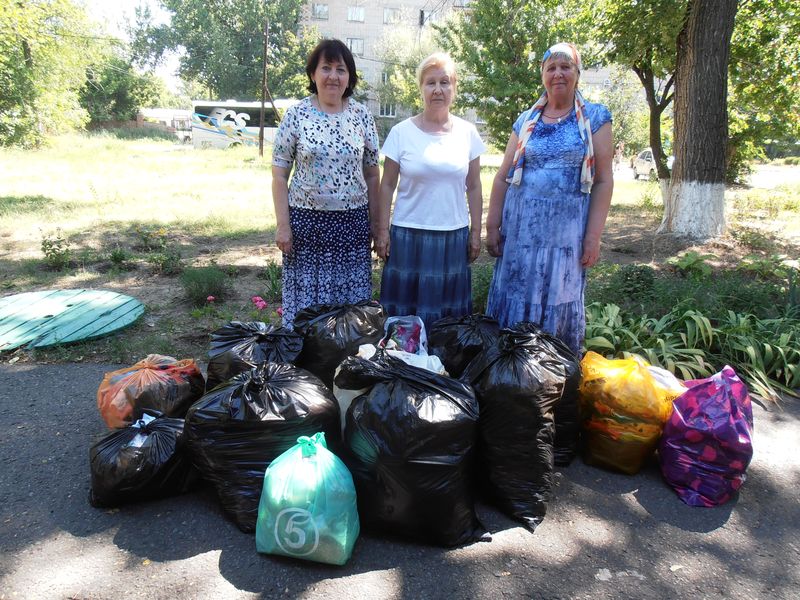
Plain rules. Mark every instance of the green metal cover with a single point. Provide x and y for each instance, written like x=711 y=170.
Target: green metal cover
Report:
x=49 y=318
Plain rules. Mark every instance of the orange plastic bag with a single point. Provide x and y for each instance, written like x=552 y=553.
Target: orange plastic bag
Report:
x=158 y=382
x=623 y=411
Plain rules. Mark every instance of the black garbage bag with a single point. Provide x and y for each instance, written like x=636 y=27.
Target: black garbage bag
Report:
x=410 y=446
x=518 y=384
x=456 y=341
x=238 y=347
x=568 y=425
x=332 y=332
x=144 y=461
x=236 y=430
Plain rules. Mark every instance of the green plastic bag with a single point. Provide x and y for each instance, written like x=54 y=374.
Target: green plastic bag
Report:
x=308 y=505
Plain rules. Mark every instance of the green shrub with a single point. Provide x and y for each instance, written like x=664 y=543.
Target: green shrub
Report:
x=57 y=251
x=166 y=262
x=200 y=283
x=120 y=258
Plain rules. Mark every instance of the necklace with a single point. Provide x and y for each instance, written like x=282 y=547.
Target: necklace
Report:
x=558 y=117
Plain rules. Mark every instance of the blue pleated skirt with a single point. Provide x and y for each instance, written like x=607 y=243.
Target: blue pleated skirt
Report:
x=427 y=274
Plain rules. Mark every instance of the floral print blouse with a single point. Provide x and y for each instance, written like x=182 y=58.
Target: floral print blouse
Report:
x=329 y=153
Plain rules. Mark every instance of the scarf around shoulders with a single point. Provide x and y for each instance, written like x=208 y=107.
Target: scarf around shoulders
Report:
x=530 y=118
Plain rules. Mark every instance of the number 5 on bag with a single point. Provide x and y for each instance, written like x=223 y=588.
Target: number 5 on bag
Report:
x=308 y=505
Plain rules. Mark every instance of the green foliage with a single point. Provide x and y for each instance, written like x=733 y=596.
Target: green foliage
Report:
x=692 y=264
x=650 y=198
x=114 y=91
x=401 y=52
x=625 y=101
x=752 y=238
x=222 y=44
x=764 y=352
x=150 y=237
x=273 y=275
x=135 y=133
x=762 y=101
x=57 y=250
x=481 y=280
x=771 y=202
x=497 y=44
x=120 y=258
x=773 y=266
x=167 y=261
x=675 y=342
x=45 y=46
x=201 y=282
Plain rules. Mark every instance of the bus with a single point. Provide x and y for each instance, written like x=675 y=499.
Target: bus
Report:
x=225 y=123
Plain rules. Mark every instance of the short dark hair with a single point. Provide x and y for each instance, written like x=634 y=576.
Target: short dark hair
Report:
x=332 y=49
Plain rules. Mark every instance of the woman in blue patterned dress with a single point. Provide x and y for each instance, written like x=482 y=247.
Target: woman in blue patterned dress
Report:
x=549 y=204
x=323 y=215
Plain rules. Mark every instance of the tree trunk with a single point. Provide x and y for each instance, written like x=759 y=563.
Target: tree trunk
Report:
x=656 y=106
x=695 y=205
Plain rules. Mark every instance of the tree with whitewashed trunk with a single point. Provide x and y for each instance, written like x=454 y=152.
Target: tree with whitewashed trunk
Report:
x=695 y=202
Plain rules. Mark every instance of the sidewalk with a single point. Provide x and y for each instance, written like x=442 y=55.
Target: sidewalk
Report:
x=605 y=535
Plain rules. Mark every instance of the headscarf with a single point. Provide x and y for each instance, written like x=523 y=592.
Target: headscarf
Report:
x=531 y=116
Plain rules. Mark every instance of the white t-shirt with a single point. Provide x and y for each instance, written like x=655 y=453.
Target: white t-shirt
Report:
x=431 y=193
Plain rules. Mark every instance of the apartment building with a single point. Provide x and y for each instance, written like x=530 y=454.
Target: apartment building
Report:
x=363 y=24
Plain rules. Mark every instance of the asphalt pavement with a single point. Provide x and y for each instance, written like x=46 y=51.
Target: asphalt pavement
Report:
x=606 y=535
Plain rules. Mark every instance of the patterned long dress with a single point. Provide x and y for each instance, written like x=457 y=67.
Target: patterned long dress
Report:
x=539 y=277
x=330 y=261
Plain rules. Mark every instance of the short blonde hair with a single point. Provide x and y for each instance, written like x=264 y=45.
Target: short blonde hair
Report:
x=439 y=60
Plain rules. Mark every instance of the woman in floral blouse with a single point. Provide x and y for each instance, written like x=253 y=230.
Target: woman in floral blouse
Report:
x=323 y=212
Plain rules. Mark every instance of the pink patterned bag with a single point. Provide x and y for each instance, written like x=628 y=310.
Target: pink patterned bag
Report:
x=708 y=440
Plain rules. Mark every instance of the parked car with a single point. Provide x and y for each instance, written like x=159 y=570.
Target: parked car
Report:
x=644 y=165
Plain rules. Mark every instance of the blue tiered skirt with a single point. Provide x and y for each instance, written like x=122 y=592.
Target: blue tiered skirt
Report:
x=427 y=274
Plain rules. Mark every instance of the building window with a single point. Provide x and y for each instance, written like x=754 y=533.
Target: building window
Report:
x=356 y=46
x=426 y=17
x=385 y=78
x=319 y=11
x=387 y=109
x=355 y=13
x=391 y=16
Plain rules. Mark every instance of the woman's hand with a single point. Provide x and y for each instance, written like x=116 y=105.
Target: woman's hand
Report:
x=591 y=252
x=283 y=239
x=474 y=247
x=494 y=244
x=380 y=243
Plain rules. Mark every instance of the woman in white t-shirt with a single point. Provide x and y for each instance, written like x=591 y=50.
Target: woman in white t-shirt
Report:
x=436 y=224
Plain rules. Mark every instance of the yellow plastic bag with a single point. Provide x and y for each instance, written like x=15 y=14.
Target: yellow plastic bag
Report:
x=623 y=411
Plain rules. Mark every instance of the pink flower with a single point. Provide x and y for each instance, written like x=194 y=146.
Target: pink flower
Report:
x=256 y=299
x=210 y=299
x=280 y=311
